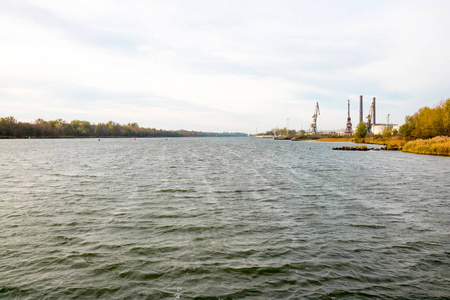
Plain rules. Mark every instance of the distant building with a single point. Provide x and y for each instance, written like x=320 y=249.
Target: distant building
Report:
x=379 y=128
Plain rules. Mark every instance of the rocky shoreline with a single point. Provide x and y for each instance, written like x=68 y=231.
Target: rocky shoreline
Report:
x=365 y=148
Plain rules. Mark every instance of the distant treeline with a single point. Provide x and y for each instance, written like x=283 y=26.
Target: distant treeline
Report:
x=11 y=128
x=282 y=131
x=428 y=122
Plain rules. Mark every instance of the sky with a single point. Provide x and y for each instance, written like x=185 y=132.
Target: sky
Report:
x=222 y=66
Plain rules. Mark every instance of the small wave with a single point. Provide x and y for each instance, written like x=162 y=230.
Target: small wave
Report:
x=108 y=268
x=177 y=191
x=14 y=292
x=80 y=265
x=90 y=254
x=150 y=251
x=406 y=247
x=84 y=292
x=345 y=294
x=372 y=226
x=258 y=271
x=223 y=192
x=64 y=240
x=242 y=294
x=139 y=275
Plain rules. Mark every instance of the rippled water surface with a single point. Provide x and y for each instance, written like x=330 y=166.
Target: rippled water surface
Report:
x=220 y=218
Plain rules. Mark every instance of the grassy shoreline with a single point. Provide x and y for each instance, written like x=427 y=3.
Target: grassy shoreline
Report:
x=436 y=146
x=439 y=145
x=339 y=139
x=368 y=140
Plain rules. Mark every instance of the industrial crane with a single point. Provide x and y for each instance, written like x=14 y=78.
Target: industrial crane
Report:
x=370 y=117
x=314 y=123
x=349 y=128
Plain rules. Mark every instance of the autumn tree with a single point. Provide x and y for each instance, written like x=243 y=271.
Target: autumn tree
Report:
x=387 y=132
x=361 y=130
x=428 y=122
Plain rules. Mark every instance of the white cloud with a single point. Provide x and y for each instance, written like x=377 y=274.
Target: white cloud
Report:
x=221 y=65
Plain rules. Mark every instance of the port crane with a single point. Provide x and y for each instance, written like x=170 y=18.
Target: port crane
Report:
x=314 y=122
x=349 y=129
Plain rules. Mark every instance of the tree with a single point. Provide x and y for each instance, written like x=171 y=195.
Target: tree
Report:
x=394 y=132
x=428 y=122
x=361 y=130
x=10 y=127
x=68 y=130
x=407 y=128
x=387 y=132
x=102 y=129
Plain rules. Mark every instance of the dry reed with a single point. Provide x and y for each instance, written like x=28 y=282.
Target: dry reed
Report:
x=439 y=145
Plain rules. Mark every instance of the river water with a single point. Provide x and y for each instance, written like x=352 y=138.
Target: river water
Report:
x=220 y=218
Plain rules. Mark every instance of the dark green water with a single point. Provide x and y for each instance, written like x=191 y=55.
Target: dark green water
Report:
x=220 y=219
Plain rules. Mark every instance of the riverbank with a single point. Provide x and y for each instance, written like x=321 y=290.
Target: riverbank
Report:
x=439 y=145
x=339 y=139
x=364 y=148
x=368 y=140
x=435 y=146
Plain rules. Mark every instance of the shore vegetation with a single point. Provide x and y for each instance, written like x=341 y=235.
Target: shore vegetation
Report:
x=361 y=131
x=278 y=132
x=428 y=122
x=11 y=128
x=337 y=139
x=439 y=145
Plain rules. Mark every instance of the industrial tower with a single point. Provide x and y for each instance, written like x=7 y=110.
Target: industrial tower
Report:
x=314 y=122
x=349 y=129
x=371 y=117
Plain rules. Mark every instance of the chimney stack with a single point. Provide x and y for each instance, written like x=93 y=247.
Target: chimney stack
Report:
x=361 y=109
x=374 y=112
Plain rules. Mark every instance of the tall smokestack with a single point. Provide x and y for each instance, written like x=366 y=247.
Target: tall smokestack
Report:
x=360 y=109
x=349 y=109
x=374 y=112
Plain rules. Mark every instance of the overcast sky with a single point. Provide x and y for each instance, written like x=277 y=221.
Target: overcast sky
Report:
x=222 y=65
